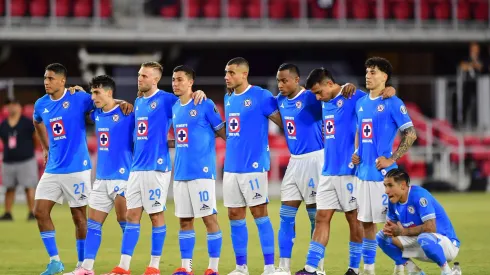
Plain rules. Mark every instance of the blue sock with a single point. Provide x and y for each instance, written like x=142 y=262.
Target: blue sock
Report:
x=386 y=244
x=81 y=249
x=49 y=241
x=312 y=216
x=94 y=238
x=130 y=238
x=432 y=249
x=266 y=235
x=286 y=230
x=157 y=239
x=122 y=225
x=369 y=250
x=239 y=239
x=355 y=254
x=316 y=252
x=215 y=241
x=187 y=241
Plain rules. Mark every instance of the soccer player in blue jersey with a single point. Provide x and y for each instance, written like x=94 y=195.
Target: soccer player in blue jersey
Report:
x=59 y=119
x=114 y=131
x=417 y=227
x=195 y=169
x=247 y=110
x=149 y=178
x=378 y=121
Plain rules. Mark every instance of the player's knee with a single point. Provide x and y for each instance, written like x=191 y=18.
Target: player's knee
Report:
x=426 y=238
x=322 y=216
x=381 y=238
x=186 y=223
x=259 y=211
x=210 y=221
x=133 y=216
x=40 y=213
x=236 y=213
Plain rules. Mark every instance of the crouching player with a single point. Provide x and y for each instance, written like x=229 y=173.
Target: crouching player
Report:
x=417 y=227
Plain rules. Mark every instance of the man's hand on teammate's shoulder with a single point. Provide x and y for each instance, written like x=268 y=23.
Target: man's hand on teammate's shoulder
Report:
x=198 y=97
x=383 y=162
x=126 y=107
x=355 y=159
x=74 y=89
x=388 y=92
x=348 y=90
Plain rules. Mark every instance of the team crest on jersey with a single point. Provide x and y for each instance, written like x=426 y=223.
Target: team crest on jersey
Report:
x=423 y=202
x=291 y=128
x=182 y=135
x=411 y=210
x=153 y=105
x=234 y=124
x=299 y=104
x=58 y=129
x=115 y=117
x=340 y=103
x=367 y=130
x=403 y=109
x=142 y=130
x=66 y=104
x=247 y=102
x=104 y=140
x=380 y=108
x=193 y=113
x=329 y=127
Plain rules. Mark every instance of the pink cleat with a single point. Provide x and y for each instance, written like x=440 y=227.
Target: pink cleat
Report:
x=83 y=271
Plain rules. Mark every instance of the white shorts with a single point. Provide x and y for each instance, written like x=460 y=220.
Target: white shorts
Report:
x=245 y=189
x=74 y=187
x=412 y=249
x=104 y=193
x=372 y=201
x=148 y=189
x=302 y=176
x=195 y=198
x=336 y=192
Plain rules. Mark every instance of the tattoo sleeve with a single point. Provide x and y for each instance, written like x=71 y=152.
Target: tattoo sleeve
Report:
x=409 y=135
x=428 y=227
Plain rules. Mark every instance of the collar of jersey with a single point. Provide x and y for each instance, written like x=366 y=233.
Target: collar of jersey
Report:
x=186 y=103
x=246 y=90
x=64 y=93
x=408 y=196
x=300 y=92
x=110 y=111
x=373 y=98
x=152 y=94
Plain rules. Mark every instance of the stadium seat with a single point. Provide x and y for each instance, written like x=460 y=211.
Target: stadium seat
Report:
x=253 y=9
x=480 y=10
x=442 y=10
x=417 y=170
x=316 y=11
x=39 y=8
x=235 y=9
x=2 y=7
x=212 y=8
x=486 y=141
x=277 y=9
x=463 y=10
x=485 y=168
x=82 y=8
x=471 y=140
x=481 y=153
x=63 y=8
x=403 y=9
x=294 y=7
x=106 y=8
x=18 y=8
x=1 y=148
x=360 y=9
x=170 y=11
x=28 y=110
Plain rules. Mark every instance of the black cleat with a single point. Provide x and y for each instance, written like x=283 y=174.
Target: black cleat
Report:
x=6 y=217
x=304 y=272
x=350 y=271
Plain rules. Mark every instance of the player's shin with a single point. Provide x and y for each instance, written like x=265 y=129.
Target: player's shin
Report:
x=355 y=244
x=316 y=252
x=49 y=241
x=286 y=234
x=266 y=235
x=129 y=241
x=157 y=239
x=92 y=243
x=312 y=217
x=187 y=241
x=391 y=250
x=433 y=250
x=369 y=246
x=239 y=239
x=215 y=241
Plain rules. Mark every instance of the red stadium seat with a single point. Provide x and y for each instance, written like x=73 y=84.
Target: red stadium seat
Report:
x=235 y=9
x=253 y=9
x=193 y=8
x=294 y=8
x=18 y=8
x=39 y=8
x=82 y=8
x=1 y=148
x=485 y=140
x=471 y=140
x=463 y=10
x=63 y=8
x=2 y=7
x=317 y=11
x=277 y=9
x=212 y=9
x=442 y=10
x=106 y=8
x=403 y=9
x=480 y=11
x=360 y=9
x=170 y=11
x=28 y=110
x=481 y=153
x=417 y=170
x=485 y=169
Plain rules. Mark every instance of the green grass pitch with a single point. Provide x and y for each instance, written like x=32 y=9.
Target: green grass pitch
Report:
x=22 y=251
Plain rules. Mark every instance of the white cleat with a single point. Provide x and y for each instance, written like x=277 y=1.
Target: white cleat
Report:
x=240 y=270
x=282 y=271
x=269 y=271
x=399 y=272
x=367 y=272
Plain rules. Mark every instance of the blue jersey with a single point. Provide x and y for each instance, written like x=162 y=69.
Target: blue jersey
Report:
x=378 y=121
x=114 y=131
x=420 y=207
x=247 y=144
x=302 y=122
x=65 y=123
x=340 y=124
x=194 y=127
x=152 y=122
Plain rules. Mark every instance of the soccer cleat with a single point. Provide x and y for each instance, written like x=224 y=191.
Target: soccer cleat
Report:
x=240 y=270
x=118 y=271
x=350 y=271
x=151 y=271
x=182 y=271
x=83 y=271
x=6 y=217
x=282 y=271
x=304 y=272
x=54 y=267
x=399 y=272
x=368 y=272
x=74 y=272
x=268 y=272
x=210 y=271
